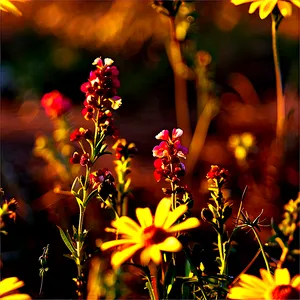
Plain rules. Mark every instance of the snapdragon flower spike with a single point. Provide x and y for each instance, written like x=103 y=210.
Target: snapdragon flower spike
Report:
x=168 y=153
x=101 y=88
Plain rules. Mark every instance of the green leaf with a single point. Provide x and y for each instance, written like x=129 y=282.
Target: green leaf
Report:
x=69 y=256
x=90 y=196
x=169 y=279
x=67 y=240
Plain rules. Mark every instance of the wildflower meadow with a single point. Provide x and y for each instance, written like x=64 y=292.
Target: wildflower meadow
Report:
x=149 y=149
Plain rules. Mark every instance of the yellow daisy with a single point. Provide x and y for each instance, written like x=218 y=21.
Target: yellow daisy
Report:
x=8 y=289
x=7 y=6
x=267 y=6
x=277 y=287
x=152 y=235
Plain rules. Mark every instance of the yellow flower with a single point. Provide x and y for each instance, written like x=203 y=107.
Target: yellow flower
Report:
x=8 y=289
x=7 y=6
x=152 y=235
x=267 y=6
x=279 y=286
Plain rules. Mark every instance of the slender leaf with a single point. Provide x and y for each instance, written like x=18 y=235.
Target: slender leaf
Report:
x=67 y=242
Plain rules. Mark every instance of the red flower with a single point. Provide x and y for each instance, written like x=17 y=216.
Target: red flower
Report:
x=80 y=133
x=55 y=104
x=85 y=160
x=88 y=112
x=217 y=173
x=75 y=159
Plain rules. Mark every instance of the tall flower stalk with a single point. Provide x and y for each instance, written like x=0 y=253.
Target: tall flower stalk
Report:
x=100 y=97
x=276 y=19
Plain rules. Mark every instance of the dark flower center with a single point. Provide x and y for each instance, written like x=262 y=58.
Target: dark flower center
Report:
x=285 y=292
x=154 y=235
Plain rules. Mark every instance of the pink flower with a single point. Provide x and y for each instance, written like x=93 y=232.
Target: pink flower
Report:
x=55 y=104
x=176 y=133
x=161 y=150
x=163 y=135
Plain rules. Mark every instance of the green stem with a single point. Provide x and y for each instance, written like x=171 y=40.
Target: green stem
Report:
x=196 y=272
x=279 y=89
x=262 y=249
x=221 y=252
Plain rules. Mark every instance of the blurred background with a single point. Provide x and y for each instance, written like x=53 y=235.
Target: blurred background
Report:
x=52 y=46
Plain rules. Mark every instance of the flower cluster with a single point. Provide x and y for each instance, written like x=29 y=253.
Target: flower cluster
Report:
x=291 y=217
x=101 y=88
x=104 y=181
x=124 y=151
x=152 y=235
x=217 y=176
x=7 y=210
x=55 y=104
x=169 y=152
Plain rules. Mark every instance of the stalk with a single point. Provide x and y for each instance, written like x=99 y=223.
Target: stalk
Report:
x=279 y=89
x=262 y=250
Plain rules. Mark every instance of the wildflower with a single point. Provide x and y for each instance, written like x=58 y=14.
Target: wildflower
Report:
x=267 y=6
x=291 y=217
x=102 y=85
x=85 y=160
x=8 y=289
x=124 y=149
x=278 y=287
x=8 y=209
x=6 y=5
x=169 y=152
x=152 y=235
x=216 y=173
x=55 y=104
x=75 y=159
x=80 y=133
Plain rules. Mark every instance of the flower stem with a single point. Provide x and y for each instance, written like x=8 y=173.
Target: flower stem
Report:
x=262 y=249
x=279 y=89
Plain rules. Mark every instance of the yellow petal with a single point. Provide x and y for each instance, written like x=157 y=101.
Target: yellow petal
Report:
x=296 y=2
x=171 y=244
x=10 y=284
x=240 y=293
x=126 y=226
x=238 y=2
x=285 y=8
x=296 y=281
x=119 y=257
x=8 y=6
x=174 y=215
x=253 y=281
x=144 y=216
x=155 y=254
x=254 y=6
x=266 y=8
x=187 y=224
x=282 y=277
x=267 y=277
x=17 y=297
x=145 y=256
x=162 y=212
x=115 y=243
